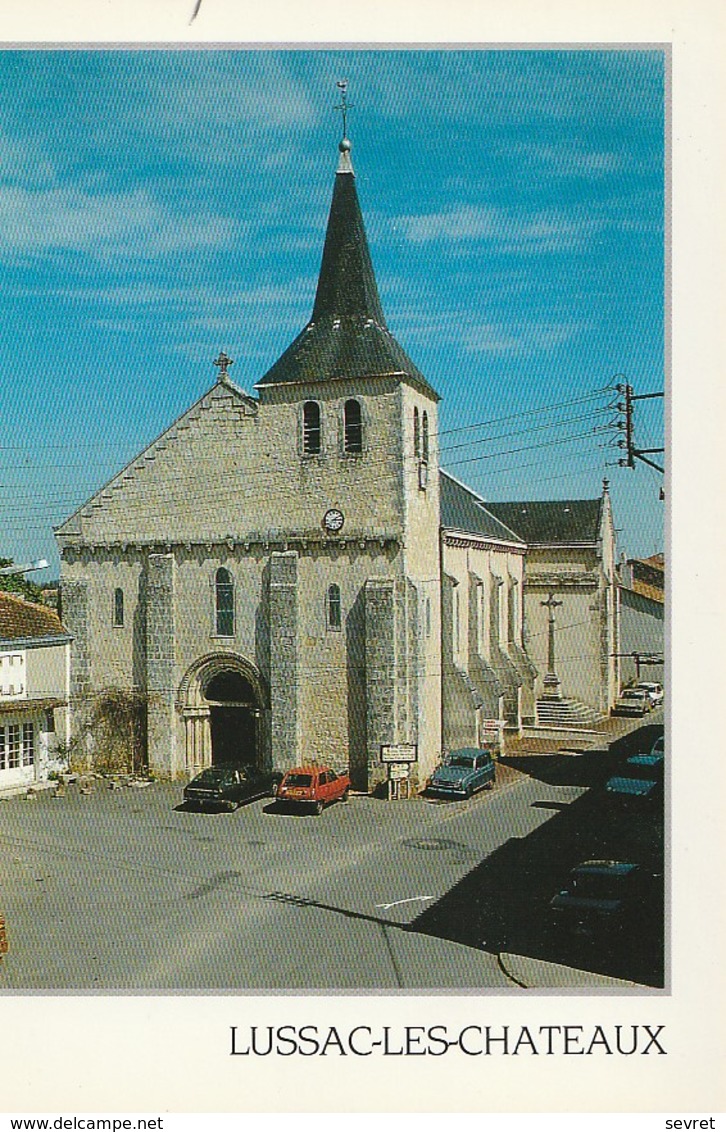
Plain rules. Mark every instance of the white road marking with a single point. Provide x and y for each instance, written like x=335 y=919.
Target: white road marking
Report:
x=408 y=900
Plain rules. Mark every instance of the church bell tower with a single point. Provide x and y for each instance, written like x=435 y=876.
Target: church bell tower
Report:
x=353 y=451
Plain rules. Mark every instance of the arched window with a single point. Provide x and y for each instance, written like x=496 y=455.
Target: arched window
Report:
x=425 y=444
x=333 y=607
x=311 y=428
x=416 y=434
x=224 y=603
x=118 y=607
x=352 y=427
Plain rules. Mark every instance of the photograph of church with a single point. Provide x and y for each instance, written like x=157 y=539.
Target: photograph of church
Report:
x=286 y=575
x=347 y=465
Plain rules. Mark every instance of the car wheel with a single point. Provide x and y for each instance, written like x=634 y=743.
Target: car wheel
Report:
x=318 y=808
x=346 y=796
x=490 y=784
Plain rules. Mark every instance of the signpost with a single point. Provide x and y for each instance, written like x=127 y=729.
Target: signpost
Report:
x=398 y=758
x=399 y=752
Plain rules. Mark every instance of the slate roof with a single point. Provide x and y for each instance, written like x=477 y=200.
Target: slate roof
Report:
x=463 y=510
x=347 y=334
x=547 y=522
x=23 y=620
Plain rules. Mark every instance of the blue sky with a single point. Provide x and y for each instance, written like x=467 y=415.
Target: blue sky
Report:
x=158 y=206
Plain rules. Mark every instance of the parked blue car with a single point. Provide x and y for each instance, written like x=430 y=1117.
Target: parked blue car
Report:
x=463 y=773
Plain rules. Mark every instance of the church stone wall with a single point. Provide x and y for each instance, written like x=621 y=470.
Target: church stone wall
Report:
x=421 y=564
x=380 y=659
x=161 y=667
x=188 y=484
x=284 y=659
x=299 y=489
x=75 y=619
x=332 y=660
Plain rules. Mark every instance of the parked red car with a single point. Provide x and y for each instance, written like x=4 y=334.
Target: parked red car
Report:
x=313 y=786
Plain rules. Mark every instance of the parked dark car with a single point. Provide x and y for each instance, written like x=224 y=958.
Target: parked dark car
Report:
x=225 y=787
x=598 y=895
x=462 y=773
x=650 y=765
x=635 y=788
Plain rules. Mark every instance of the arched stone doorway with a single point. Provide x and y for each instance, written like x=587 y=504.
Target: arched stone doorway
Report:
x=222 y=699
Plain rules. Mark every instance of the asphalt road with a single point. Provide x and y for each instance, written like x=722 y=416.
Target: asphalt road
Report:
x=123 y=890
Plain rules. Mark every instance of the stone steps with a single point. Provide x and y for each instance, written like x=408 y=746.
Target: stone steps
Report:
x=565 y=713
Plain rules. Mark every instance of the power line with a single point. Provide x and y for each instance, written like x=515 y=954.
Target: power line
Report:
x=525 y=448
x=532 y=412
x=526 y=431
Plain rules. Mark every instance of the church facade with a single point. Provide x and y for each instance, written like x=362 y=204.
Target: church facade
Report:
x=327 y=593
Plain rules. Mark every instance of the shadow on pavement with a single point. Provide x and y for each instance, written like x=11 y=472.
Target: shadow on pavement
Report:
x=503 y=904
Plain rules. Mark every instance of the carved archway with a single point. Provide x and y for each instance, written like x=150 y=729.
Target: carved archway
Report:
x=221 y=699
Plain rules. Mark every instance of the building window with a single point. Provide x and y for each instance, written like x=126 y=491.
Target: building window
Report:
x=28 y=744
x=428 y=617
x=352 y=427
x=118 y=607
x=13 y=745
x=311 y=428
x=416 y=434
x=333 y=608
x=224 y=603
x=425 y=438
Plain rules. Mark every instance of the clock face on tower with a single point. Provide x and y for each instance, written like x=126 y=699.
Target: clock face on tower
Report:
x=333 y=519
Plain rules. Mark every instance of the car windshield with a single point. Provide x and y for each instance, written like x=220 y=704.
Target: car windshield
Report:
x=466 y=761
x=634 y=694
x=214 y=776
x=630 y=785
x=298 y=780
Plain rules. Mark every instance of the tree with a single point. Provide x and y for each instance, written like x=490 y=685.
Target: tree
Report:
x=17 y=584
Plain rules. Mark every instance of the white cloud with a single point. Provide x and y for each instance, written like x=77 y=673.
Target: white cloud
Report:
x=295 y=292
x=101 y=224
x=517 y=339
x=20 y=162
x=508 y=232
x=567 y=160
x=522 y=338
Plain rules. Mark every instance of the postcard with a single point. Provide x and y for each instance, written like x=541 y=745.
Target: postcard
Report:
x=357 y=749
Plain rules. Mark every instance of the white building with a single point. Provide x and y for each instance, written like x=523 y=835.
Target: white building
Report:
x=34 y=691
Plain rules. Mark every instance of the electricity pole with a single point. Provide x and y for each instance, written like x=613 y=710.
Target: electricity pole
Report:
x=627 y=426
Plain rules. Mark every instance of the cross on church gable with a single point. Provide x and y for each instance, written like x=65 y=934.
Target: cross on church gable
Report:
x=223 y=362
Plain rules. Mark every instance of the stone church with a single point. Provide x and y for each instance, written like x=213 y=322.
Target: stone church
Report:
x=328 y=592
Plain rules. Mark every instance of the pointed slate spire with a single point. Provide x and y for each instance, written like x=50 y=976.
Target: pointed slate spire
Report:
x=347 y=284
x=347 y=335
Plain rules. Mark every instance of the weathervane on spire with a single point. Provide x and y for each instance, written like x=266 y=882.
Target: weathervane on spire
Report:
x=342 y=85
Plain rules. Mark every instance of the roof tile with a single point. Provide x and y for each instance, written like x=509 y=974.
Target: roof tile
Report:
x=20 y=619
